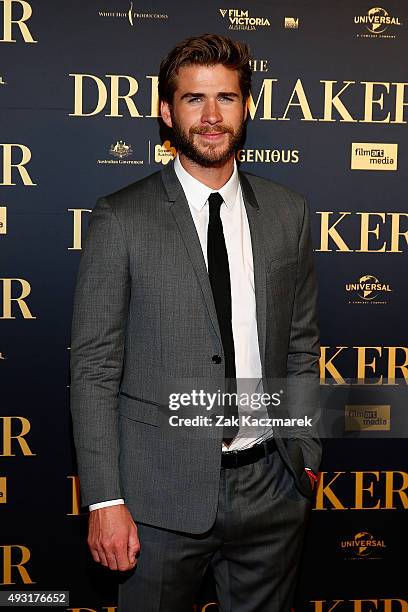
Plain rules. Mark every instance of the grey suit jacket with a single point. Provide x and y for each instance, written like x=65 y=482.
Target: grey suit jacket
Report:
x=144 y=313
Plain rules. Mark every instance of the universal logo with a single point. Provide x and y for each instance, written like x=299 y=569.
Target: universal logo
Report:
x=121 y=151
x=368 y=288
x=374 y=156
x=164 y=153
x=291 y=23
x=377 y=21
x=268 y=156
x=367 y=418
x=131 y=15
x=362 y=546
x=241 y=20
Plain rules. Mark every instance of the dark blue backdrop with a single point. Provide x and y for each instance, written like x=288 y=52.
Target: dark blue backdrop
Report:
x=63 y=140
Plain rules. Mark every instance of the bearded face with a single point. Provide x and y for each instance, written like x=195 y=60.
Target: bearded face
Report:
x=207 y=114
x=207 y=146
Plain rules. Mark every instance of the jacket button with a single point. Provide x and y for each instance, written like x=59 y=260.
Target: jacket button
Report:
x=216 y=358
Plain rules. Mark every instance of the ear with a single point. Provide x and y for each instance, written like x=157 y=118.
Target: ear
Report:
x=165 y=113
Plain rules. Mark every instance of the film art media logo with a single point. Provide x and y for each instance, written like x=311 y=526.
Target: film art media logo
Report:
x=367 y=418
x=240 y=19
x=363 y=546
x=374 y=156
x=378 y=23
x=368 y=290
x=132 y=14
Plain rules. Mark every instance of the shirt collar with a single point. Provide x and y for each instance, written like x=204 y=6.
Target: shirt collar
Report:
x=197 y=193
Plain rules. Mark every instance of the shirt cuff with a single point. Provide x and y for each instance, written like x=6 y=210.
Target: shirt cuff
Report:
x=111 y=502
x=313 y=475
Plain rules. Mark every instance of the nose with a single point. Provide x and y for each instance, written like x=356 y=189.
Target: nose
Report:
x=211 y=112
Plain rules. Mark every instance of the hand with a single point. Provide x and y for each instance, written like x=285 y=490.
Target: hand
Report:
x=112 y=537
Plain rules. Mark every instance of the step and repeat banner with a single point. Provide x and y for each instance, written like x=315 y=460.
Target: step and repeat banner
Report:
x=327 y=117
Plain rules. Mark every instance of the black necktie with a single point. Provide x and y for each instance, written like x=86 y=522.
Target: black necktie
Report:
x=218 y=271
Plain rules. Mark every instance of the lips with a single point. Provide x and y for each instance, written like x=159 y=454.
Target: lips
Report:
x=211 y=135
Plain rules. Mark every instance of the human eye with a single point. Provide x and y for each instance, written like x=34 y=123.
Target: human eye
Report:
x=194 y=99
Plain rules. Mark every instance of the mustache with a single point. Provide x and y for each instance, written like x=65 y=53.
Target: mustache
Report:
x=220 y=129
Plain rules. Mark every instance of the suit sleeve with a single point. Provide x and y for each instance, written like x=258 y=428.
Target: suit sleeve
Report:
x=304 y=348
x=100 y=313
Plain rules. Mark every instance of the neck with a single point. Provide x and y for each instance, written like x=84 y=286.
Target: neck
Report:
x=214 y=177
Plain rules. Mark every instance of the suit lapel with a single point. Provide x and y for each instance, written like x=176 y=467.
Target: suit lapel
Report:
x=254 y=215
x=181 y=212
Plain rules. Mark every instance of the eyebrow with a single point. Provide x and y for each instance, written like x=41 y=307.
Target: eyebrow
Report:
x=229 y=94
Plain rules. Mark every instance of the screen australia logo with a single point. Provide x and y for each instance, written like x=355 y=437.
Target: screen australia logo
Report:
x=239 y=19
x=378 y=23
x=164 y=153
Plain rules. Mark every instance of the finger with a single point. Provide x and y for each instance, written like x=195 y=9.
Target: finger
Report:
x=133 y=546
x=102 y=557
x=123 y=561
x=95 y=555
x=111 y=559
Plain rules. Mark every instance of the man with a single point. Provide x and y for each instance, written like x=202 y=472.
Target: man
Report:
x=204 y=274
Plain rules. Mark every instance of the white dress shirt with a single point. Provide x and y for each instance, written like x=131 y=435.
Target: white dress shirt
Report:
x=244 y=326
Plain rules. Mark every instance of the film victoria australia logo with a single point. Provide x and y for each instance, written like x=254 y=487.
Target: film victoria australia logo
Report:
x=378 y=23
x=240 y=19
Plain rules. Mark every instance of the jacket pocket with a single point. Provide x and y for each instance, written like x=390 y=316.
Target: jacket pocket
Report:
x=296 y=457
x=281 y=264
x=138 y=409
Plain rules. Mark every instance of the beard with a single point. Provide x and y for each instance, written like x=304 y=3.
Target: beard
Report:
x=210 y=155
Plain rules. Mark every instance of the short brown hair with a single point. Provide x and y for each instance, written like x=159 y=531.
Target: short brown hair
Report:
x=205 y=50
